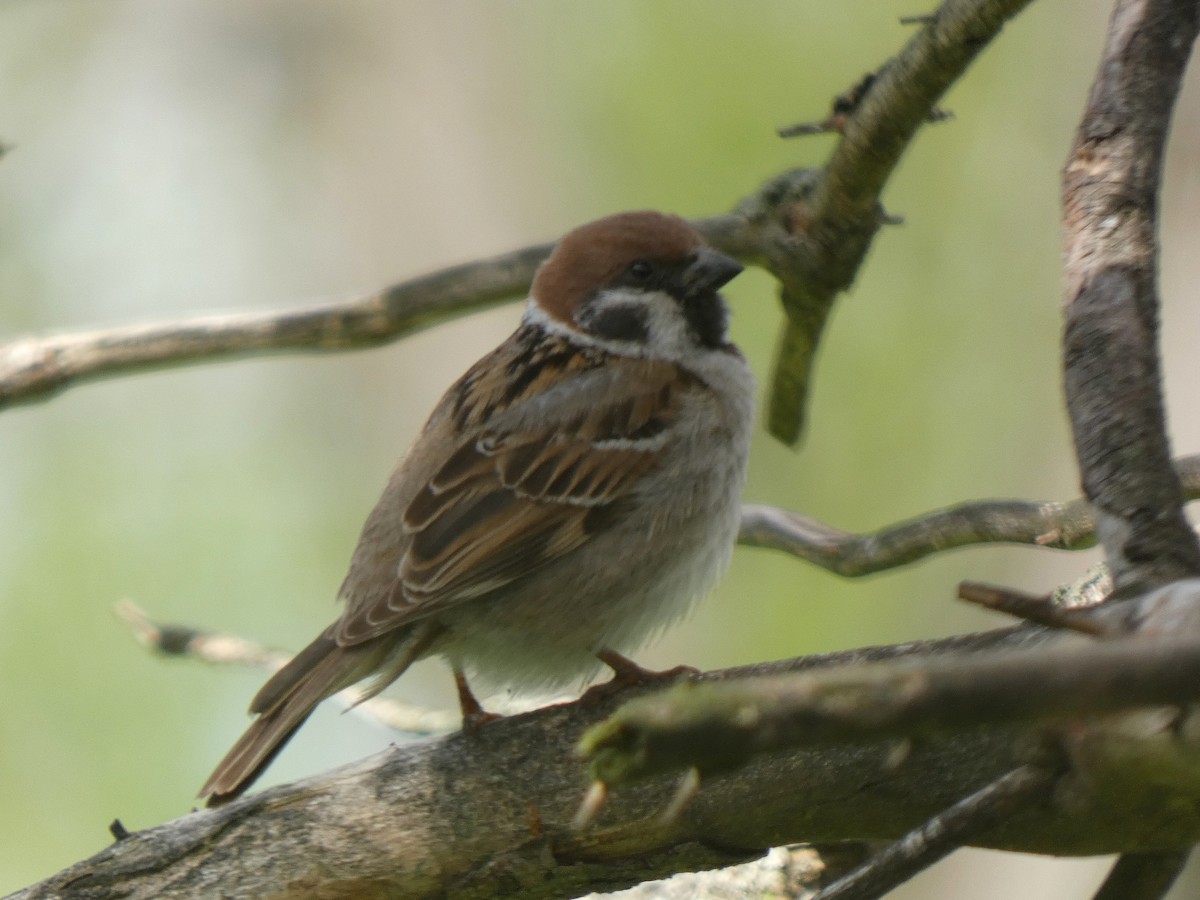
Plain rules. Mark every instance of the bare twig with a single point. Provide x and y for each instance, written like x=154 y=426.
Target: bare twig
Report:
x=845 y=104
x=1040 y=610
x=1062 y=526
x=944 y=833
x=835 y=222
x=1110 y=187
x=810 y=229
x=1142 y=876
x=230 y=650
x=37 y=368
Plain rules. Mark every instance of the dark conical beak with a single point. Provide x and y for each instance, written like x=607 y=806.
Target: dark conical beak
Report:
x=710 y=271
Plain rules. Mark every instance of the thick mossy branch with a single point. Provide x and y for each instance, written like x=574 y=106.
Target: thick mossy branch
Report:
x=716 y=727
x=477 y=816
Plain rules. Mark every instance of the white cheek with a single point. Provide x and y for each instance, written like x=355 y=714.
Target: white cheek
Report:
x=670 y=336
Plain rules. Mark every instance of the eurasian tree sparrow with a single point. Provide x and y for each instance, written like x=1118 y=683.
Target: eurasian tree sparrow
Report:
x=572 y=494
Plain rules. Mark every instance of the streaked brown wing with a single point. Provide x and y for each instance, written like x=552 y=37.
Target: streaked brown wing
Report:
x=506 y=504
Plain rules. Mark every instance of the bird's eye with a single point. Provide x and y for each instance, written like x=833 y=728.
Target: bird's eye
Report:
x=641 y=270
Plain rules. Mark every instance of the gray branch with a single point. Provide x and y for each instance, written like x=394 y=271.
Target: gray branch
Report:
x=220 y=648
x=961 y=824
x=37 y=368
x=1110 y=197
x=1142 y=876
x=1062 y=526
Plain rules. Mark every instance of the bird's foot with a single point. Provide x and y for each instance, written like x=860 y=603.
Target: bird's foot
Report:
x=627 y=674
x=474 y=716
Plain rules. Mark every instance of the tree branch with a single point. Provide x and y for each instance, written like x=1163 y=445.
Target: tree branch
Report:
x=810 y=228
x=1046 y=610
x=715 y=727
x=1062 y=526
x=1142 y=876
x=224 y=649
x=38 y=368
x=1110 y=199
x=406 y=822
x=837 y=216
x=34 y=369
x=946 y=832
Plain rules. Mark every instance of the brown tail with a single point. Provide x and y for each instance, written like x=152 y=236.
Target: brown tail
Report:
x=284 y=702
x=290 y=695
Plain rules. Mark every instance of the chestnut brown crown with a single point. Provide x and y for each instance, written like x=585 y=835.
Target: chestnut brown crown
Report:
x=595 y=255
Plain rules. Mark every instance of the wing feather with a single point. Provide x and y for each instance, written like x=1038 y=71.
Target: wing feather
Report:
x=509 y=501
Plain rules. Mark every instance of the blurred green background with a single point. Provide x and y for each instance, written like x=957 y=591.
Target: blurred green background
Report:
x=207 y=155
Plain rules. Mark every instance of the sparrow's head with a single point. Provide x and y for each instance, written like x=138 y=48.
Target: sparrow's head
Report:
x=638 y=282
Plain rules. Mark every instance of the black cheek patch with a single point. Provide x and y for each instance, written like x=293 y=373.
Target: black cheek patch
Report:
x=707 y=318
x=620 y=322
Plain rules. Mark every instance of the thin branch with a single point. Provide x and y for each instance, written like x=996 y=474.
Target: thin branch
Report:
x=207 y=646
x=37 y=368
x=1062 y=526
x=835 y=222
x=719 y=726
x=943 y=834
x=845 y=104
x=222 y=648
x=1039 y=610
x=1143 y=876
x=811 y=229
x=842 y=107
x=1110 y=198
